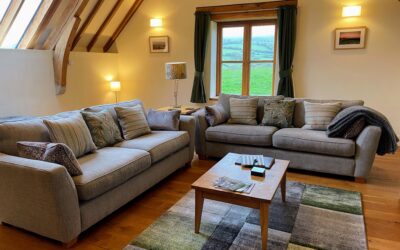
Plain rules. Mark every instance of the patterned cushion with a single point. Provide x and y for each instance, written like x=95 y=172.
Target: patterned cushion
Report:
x=103 y=128
x=132 y=121
x=279 y=113
x=355 y=129
x=243 y=111
x=319 y=115
x=73 y=132
x=216 y=114
x=164 y=120
x=58 y=153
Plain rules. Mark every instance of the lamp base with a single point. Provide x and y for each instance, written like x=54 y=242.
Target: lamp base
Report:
x=177 y=106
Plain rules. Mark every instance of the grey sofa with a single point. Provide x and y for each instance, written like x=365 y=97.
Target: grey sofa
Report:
x=43 y=198
x=306 y=149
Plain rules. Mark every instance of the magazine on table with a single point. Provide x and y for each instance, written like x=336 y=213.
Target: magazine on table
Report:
x=234 y=185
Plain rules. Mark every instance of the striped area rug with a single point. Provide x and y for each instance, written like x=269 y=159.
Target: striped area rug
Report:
x=313 y=217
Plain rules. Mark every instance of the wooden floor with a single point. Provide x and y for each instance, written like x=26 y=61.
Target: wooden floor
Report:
x=381 y=198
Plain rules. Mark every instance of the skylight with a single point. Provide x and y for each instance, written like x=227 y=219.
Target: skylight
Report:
x=20 y=24
x=4 y=4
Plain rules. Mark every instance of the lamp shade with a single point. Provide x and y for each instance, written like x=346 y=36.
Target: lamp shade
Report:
x=175 y=70
x=115 y=86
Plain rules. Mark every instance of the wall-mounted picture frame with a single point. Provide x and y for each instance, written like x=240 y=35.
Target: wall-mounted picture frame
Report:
x=159 y=44
x=350 y=38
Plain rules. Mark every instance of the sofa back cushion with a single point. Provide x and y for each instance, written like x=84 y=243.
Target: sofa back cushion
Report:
x=299 y=111
x=16 y=129
x=223 y=99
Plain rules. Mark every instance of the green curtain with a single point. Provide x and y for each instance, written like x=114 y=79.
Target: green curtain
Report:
x=286 y=38
x=200 y=48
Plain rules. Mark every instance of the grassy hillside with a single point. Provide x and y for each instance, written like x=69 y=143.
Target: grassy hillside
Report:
x=262 y=48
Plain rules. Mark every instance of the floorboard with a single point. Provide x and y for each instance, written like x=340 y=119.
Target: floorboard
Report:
x=381 y=201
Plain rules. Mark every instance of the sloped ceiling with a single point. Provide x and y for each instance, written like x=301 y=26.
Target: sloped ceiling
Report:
x=66 y=25
x=103 y=9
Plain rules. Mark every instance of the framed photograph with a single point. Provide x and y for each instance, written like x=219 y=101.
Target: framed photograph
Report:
x=159 y=44
x=350 y=38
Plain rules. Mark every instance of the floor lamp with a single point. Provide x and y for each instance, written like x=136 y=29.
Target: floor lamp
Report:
x=175 y=71
x=115 y=87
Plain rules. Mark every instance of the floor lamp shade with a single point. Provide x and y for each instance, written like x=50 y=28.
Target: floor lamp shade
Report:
x=175 y=71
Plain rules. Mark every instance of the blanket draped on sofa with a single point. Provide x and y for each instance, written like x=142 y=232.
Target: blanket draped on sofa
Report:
x=343 y=121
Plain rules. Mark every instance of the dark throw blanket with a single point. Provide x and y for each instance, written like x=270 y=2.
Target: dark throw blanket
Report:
x=344 y=120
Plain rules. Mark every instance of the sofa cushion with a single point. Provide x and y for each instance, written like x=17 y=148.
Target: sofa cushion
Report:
x=223 y=100
x=73 y=132
x=132 y=121
x=14 y=129
x=312 y=141
x=299 y=111
x=241 y=134
x=111 y=107
x=104 y=130
x=243 y=111
x=160 y=144
x=108 y=168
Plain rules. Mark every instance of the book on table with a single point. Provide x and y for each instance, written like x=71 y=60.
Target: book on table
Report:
x=250 y=161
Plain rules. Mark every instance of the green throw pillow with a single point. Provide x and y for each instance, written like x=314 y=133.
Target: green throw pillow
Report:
x=279 y=113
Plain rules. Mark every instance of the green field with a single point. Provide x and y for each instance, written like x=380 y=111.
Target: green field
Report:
x=262 y=48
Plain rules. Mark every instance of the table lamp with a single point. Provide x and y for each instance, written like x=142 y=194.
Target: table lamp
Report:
x=115 y=86
x=175 y=71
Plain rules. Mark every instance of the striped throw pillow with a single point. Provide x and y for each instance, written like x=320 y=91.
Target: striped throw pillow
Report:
x=73 y=132
x=133 y=121
x=243 y=111
x=319 y=115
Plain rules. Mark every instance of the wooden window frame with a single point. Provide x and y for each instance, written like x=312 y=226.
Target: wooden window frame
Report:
x=246 y=52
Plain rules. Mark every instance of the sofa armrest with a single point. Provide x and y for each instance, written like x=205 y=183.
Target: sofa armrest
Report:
x=366 y=146
x=188 y=123
x=39 y=197
x=201 y=127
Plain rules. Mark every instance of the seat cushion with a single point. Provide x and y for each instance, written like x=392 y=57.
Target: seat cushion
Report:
x=160 y=144
x=241 y=134
x=312 y=141
x=107 y=168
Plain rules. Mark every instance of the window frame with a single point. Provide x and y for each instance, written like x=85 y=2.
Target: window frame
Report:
x=246 y=60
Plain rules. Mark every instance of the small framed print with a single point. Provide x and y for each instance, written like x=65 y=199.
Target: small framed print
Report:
x=350 y=38
x=159 y=44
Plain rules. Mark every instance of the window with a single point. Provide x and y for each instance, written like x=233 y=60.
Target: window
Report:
x=4 y=4
x=21 y=23
x=246 y=57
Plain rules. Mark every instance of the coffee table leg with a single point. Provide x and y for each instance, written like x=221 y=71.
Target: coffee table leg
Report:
x=198 y=210
x=264 y=206
x=283 y=187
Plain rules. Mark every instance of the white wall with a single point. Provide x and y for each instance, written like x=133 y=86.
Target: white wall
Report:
x=27 y=82
x=371 y=74
x=320 y=72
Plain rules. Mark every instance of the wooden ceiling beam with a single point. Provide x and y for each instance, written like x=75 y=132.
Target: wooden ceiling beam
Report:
x=247 y=7
x=73 y=9
x=61 y=54
x=104 y=25
x=122 y=25
x=87 y=22
x=9 y=17
x=39 y=23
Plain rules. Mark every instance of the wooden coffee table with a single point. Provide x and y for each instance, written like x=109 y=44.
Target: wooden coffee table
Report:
x=260 y=196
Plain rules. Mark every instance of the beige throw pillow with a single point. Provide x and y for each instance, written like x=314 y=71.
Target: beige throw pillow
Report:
x=132 y=121
x=243 y=111
x=73 y=132
x=319 y=115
